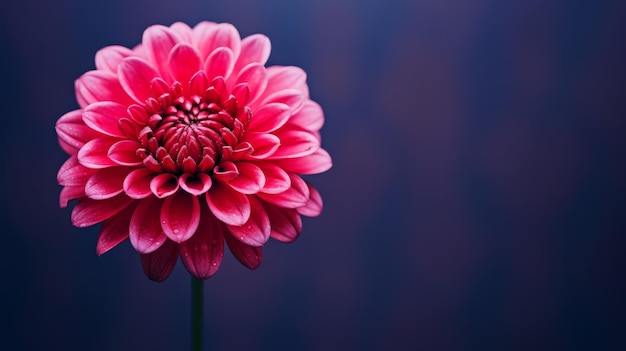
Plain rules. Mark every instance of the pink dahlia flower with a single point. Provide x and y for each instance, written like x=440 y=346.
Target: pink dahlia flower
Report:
x=187 y=142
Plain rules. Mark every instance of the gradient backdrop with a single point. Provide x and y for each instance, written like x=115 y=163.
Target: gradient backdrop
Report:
x=476 y=200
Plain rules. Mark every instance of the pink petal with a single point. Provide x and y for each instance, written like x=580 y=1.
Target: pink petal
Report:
x=108 y=58
x=106 y=183
x=315 y=163
x=286 y=223
x=255 y=48
x=225 y=171
x=73 y=131
x=276 y=179
x=164 y=185
x=73 y=173
x=256 y=231
x=249 y=256
x=199 y=83
x=180 y=216
x=296 y=196
x=184 y=62
x=88 y=212
x=183 y=32
x=295 y=143
x=219 y=63
x=264 y=144
x=137 y=183
x=94 y=154
x=158 y=41
x=159 y=264
x=250 y=179
x=195 y=184
x=202 y=254
x=145 y=232
x=254 y=75
x=69 y=193
x=290 y=97
x=104 y=117
x=114 y=230
x=95 y=86
x=212 y=36
x=228 y=205
x=310 y=117
x=314 y=206
x=269 y=117
x=124 y=153
x=286 y=77
x=201 y=34
x=135 y=76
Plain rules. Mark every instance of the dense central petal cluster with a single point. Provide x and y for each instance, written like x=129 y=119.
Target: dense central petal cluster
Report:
x=187 y=142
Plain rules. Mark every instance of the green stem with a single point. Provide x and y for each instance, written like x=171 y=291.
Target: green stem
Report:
x=196 y=314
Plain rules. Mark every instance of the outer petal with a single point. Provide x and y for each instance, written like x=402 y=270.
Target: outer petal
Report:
x=184 y=62
x=159 y=264
x=95 y=86
x=114 y=230
x=290 y=97
x=73 y=132
x=219 y=63
x=88 y=212
x=264 y=145
x=255 y=48
x=310 y=117
x=108 y=58
x=256 y=231
x=295 y=143
x=94 y=154
x=256 y=78
x=250 y=179
x=183 y=32
x=276 y=179
x=228 y=205
x=269 y=117
x=286 y=77
x=137 y=183
x=124 y=153
x=314 y=206
x=286 y=223
x=104 y=117
x=180 y=216
x=315 y=163
x=158 y=41
x=73 y=173
x=69 y=193
x=202 y=254
x=249 y=256
x=106 y=183
x=135 y=76
x=211 y=36
x=145 y=231
x=296 y=196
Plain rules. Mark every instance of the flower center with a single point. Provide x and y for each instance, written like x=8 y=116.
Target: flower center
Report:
x=192 y=133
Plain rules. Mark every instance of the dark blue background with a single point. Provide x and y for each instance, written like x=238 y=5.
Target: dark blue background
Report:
x=476 y=200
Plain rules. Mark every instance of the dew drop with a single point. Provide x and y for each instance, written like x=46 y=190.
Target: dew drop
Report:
x=176 y=231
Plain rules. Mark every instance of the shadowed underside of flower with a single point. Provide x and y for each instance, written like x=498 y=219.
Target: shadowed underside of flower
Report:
x=188 y=143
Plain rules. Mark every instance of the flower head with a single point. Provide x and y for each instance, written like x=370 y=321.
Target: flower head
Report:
x=188 y=143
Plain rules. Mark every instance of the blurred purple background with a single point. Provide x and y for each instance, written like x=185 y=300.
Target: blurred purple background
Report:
x=476 y=200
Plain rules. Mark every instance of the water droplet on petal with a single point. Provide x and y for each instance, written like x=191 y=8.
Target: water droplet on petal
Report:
x=176 y=231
